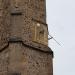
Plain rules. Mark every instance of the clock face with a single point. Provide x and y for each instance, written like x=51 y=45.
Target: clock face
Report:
x=40 y=33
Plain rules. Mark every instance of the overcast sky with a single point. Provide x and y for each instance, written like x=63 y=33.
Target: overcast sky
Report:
x=61 y=22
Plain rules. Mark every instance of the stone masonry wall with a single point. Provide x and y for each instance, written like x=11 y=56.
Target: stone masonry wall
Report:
x=24 y=61
x=19 y=54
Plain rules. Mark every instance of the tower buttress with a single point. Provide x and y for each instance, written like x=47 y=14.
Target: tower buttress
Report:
x=24 y=38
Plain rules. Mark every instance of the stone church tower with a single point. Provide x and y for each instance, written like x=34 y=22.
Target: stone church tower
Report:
x=24 y=38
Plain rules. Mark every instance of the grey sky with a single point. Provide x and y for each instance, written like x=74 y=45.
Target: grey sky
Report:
x=61 y=22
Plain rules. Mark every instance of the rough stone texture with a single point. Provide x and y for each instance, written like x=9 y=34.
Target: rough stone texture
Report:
x=25 y=60
x=31 y=11
x=24 y=38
